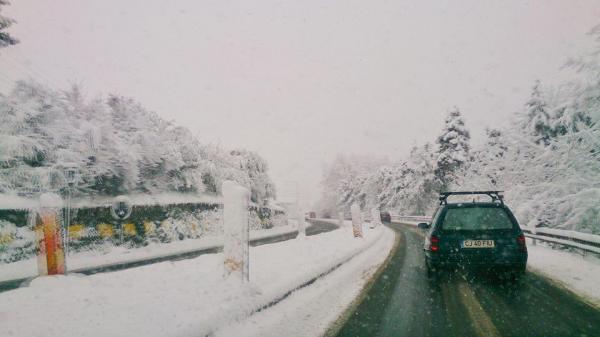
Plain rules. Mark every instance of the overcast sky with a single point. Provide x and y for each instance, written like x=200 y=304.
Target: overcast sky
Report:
x=302 y=81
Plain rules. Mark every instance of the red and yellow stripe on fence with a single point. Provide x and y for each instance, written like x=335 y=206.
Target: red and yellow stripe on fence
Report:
x=129 y=229
x=149 y=227
x=49 y=242
x=105 y=230
x=76 y=231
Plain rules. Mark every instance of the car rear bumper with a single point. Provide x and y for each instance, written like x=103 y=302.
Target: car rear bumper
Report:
x=441 y=260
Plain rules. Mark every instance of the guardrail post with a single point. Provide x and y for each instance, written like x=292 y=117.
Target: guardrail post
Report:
x=48 y=229
x=534 y=232
x=236 y=231
x=357 y=220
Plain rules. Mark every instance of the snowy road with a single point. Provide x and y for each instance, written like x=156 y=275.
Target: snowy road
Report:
x=405 y=302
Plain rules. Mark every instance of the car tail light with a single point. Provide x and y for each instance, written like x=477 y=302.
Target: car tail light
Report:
x=521 y=243
x=434 y=243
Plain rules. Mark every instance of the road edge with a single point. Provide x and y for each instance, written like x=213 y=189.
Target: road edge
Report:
x=563 y=286
x=337 y=325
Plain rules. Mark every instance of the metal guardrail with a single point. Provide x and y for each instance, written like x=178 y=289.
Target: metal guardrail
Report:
x=410 y=218
x=573 y=239
x=583 y=241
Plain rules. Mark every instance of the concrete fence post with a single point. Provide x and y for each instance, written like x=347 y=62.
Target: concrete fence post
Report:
x=236 y=231
x=375 y=218
x=301 y=224
x=48 y=230
x=357 y=221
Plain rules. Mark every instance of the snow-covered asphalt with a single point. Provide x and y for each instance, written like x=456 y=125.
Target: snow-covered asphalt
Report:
x=405 y=302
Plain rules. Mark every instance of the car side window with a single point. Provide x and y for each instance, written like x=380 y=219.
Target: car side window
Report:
x=435 y=219
x=436 y=216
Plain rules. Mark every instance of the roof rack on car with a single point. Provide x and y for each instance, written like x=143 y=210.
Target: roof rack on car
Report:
x=495 y=195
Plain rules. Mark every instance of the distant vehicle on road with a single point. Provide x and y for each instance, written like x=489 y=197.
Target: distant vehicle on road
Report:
x=474 y=234
x=310 y=215
x=385 y=217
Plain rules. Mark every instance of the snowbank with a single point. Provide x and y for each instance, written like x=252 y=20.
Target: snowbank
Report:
x=182 y=298
x=8 y=201
x=311 y=311
x=578 y=273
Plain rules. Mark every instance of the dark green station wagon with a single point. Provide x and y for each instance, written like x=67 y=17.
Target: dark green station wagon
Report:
x=474 y=234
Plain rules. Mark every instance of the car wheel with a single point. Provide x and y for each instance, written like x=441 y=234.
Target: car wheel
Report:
x=518 y=272
x=432 y=271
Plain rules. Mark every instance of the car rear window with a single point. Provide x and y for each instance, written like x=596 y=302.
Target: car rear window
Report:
x=476 y=218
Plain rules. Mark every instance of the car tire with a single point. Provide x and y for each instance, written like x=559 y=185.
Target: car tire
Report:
x=518 y=272
x=432 y=271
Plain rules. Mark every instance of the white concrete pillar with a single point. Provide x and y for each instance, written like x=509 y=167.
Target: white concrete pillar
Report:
x=301 y=223
x=341 y=222
x=375 y=218
x=357 y=221
x=236 y=231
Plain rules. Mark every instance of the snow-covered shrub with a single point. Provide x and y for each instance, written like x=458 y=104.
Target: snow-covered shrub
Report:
x=211 y=222
x=254 y=221
x=185 y=224
x=279 y=219
x=16 y=243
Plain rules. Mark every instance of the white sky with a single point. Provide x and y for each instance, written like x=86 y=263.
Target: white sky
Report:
x=302 y=81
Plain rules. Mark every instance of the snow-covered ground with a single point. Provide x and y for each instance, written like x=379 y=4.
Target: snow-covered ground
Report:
x=578 y=273
x=311 y=311
x=94 y=259
x=190 y=297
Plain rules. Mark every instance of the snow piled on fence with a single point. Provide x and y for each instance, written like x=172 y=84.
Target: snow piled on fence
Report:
x=86 y=260
x=9 y=201
x=182 y=298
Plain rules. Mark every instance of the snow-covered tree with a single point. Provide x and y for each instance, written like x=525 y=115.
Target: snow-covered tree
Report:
x=5 y=38
x=333 y=175
x=343 y=177
x=487 y=166
x=261 y=187
x=118 y=145
x=538 y=122
x=350 y=191
x=425 y=184
x=547 y=160
x=453 y=147
x=407 y=186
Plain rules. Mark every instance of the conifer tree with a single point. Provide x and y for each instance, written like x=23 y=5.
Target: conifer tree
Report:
x=5 y=38
x=453 y=148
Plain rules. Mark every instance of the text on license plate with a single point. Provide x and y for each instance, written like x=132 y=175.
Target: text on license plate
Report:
x=478 y=244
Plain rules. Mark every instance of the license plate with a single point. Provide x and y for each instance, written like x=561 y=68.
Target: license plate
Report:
x=478 y=244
